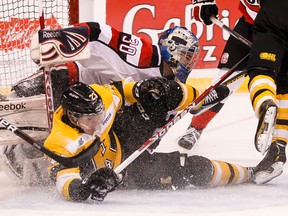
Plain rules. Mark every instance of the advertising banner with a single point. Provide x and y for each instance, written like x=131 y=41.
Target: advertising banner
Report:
x=148 y=18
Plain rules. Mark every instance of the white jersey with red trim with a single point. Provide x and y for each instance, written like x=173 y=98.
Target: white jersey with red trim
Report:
x=117 y=55
x=249 y=9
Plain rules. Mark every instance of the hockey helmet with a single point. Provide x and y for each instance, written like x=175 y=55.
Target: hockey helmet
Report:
x=83 y=106
x=179 y=47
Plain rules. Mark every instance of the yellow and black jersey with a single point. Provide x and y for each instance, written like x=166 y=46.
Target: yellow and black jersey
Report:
x=127 y=122
x=68 y=141
x=136 y=123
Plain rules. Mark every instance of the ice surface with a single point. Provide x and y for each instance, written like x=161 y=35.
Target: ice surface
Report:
x=229 y=137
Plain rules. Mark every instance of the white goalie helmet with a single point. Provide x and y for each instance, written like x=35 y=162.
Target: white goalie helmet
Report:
x=180 y=49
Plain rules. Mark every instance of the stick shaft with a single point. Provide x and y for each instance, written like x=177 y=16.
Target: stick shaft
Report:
x=230 y=31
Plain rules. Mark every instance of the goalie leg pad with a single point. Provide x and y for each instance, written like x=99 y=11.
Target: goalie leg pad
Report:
x=62 y=76
x=23 y=166
x=30 y=86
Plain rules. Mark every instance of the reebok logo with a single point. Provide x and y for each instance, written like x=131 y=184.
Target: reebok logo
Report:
x=13 y=106
x=51 y=34
x=268 y=56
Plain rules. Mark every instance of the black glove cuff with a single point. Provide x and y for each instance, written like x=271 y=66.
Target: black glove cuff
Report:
x=78 y=191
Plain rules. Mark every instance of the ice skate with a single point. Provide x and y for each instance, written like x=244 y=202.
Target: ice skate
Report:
x=272 y=165
x=266 y=124
x=190 y=138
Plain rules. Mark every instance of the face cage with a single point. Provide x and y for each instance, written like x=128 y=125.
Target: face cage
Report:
x=187 y=58
x=89 y=121
x=186 y=62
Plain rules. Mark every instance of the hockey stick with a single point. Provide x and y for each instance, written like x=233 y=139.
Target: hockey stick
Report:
x=163 y=130
x=47 y=75
x=75 y=161
x=230 y=31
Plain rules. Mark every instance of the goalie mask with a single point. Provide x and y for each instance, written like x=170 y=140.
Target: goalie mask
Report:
x=180 y=50
x=83 y=107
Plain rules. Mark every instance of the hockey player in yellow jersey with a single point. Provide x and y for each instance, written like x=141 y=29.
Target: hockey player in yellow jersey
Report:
x=120 y=117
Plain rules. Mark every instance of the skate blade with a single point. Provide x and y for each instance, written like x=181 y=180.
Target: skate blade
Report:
x=265 y=138
x=265 y=176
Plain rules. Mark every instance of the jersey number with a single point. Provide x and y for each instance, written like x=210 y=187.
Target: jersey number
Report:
x=129 y=46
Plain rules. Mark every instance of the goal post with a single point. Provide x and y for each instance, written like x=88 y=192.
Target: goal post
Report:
x=18 y=21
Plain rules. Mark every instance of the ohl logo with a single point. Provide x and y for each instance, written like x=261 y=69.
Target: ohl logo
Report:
x=268 y=56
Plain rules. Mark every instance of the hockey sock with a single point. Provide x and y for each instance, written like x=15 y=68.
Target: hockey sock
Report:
x=201 y=121
x=228 y=174
x=261 y=88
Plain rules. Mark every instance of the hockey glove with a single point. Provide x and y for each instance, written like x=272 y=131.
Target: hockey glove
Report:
x=204 y=9
x=215 y=96
x=100 y=183
x=151 y=89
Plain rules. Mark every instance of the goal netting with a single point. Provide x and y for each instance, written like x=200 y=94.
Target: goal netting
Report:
x=18 y=21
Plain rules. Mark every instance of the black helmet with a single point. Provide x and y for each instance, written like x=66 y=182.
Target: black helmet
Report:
x=81 y=99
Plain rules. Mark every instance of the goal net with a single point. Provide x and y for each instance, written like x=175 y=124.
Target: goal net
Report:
x=19 y=19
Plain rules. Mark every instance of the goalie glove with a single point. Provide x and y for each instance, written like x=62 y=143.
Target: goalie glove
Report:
x=204 y=9
x=100 y=183
x=50 y=47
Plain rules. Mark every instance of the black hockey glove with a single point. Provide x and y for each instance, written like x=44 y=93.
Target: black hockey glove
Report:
x=204 y=9
x=214 y=97
x=151 y=89
x=100 y=183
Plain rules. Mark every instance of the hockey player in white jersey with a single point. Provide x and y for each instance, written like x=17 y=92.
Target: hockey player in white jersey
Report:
x=116 y=55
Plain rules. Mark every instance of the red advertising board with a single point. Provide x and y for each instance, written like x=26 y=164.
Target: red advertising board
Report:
x=149 y=18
